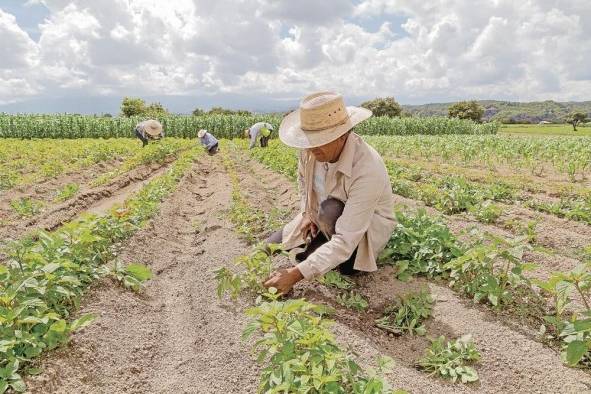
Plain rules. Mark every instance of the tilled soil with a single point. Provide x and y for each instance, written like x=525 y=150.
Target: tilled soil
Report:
x=88 y=199
x=177 y=337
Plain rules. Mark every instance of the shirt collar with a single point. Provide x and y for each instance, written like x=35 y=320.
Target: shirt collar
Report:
x=345 y=163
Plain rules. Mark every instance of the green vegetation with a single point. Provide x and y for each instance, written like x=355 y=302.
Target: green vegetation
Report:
x=352 y=300
x=43 y=280
x=66 y=192
x=466 y=110
x=383 y=107
x=511 y=112
x=300 y=354
x=450 y=359
x=407 y=314
x=26 y=207
x=222 y=126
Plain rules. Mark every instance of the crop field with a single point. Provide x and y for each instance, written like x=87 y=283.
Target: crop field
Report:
x=130 y=269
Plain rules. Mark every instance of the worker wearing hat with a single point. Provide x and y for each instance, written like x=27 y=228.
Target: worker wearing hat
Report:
x=210 y=143
x=149 y=130
x=260 y=129
x=346 y=214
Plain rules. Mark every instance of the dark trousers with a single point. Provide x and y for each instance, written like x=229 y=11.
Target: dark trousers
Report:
x=213 y=150
x=330 y=210
x=264 y=142
x=345 y=268
x=141 y=137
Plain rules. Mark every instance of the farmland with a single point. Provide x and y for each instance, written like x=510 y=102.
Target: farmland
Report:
x=146 y=272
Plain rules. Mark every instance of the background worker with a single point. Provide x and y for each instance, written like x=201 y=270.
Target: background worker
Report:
x=149 y=130
x=262 y=130
x=210 y=143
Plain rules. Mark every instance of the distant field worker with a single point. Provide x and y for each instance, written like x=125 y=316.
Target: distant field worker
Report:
x=262 y=130
x=210 y=143
x=149 y=130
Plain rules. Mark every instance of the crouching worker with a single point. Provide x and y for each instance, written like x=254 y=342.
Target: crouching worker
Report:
x=210 y=143
x=346 y=211
x=149 y=130
x=261 y=131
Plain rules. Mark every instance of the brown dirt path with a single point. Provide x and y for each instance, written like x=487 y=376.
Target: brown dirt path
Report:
x=176 y=337
x=91 y=199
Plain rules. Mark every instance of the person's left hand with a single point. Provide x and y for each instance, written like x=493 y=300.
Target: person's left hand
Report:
x=284 y=279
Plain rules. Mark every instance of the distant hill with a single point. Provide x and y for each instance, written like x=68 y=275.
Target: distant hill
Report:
x=511 y=112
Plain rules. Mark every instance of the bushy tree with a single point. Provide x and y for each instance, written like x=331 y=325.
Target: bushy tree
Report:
x=466 y=110
x=155 y=110
x=386 y=106
x=132 y=106
x=574 y=118
x=198 y=112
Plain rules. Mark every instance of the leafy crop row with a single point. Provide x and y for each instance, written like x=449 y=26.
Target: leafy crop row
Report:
x=43 y=280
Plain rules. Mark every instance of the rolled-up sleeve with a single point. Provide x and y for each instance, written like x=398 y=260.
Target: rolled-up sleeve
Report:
x=360 y=207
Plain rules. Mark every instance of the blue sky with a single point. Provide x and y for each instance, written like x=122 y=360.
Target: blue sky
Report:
x=84 y=56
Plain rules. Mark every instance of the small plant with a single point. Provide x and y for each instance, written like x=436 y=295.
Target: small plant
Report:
x=67 y=192
x=475 y=273
x=449 y=359
x=352 y=300
x=258 y=266
x=131 y=276
x=487 y=212
x=26 y=206
x=300 y=354
x=336 y=280
x=420 y=244
x=407 y=314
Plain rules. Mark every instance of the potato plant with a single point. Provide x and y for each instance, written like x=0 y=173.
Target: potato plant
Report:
x=451 y=359
x=300 y=354
x=407 y=314
x=43 y=280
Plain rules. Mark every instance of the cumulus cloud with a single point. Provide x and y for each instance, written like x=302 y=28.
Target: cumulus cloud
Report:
x=452 y=49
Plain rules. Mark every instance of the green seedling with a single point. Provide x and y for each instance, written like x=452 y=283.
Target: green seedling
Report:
x=407 y=314
x=352 y=300
x=449 y=359
x=26 y=206
x=132 y=276
x=257 y=266
x=67 y=192
x=336 y=280
x=300 y=354
x=487 y=212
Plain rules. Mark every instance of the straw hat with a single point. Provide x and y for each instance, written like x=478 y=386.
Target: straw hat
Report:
x=201 y=133
x=321 y=118
x=152 y=127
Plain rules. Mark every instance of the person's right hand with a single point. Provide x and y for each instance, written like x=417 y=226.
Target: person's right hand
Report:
x=308 y=228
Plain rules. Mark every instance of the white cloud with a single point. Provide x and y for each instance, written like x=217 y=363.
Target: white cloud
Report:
x=453 y=49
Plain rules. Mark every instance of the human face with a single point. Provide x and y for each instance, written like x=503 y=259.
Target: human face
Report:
x=330 y=152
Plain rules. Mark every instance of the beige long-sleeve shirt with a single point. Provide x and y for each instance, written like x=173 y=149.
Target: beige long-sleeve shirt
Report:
x=360 y=179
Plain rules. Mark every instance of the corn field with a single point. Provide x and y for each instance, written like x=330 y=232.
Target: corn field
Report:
x=222 y=126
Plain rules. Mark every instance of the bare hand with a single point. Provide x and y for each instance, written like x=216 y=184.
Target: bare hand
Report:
x=284 y=279
x=308 y=228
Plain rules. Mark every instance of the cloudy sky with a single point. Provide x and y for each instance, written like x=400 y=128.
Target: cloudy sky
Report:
x=85 y=55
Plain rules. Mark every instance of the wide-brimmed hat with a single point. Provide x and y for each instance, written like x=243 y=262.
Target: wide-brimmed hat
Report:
x=321 y=118
x=152 y=127
x=201 y=133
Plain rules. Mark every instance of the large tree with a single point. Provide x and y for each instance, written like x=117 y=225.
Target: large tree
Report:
x=574 y=118
x=386 y=106
x=466 y=110
x=132 y=106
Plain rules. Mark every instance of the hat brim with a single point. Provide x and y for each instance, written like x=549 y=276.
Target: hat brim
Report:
x=291 y=133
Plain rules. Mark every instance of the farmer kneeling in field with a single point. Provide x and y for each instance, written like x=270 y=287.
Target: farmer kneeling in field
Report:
x=149 y=130
x=210 y=143
x=260 y=130
x=346 y=205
